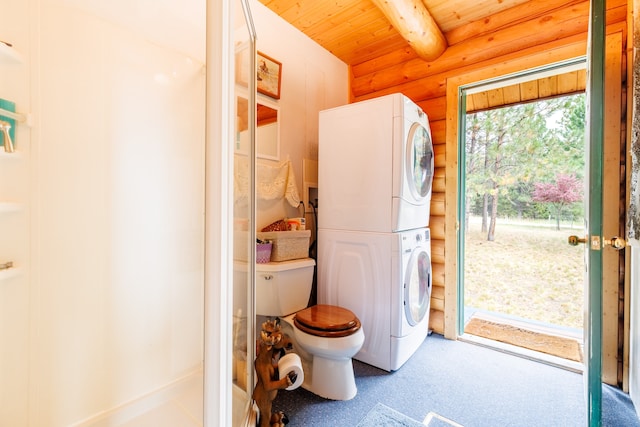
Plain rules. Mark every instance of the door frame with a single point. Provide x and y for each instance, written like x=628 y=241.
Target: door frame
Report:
x=532 y=74
x=613 y=67
x=452 y=292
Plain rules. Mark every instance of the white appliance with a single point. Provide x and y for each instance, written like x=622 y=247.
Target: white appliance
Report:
x=375 y=161
x=385 y=279
x=375 y=170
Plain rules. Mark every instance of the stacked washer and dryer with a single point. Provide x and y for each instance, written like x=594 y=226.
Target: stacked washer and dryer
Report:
x=375 y=170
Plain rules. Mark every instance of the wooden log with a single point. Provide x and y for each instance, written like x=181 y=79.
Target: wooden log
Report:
x=416 y=25
x=565 y=23
x=616 y=12
x=437 y=204
x=439 y=158
x=415 y=79
x=436 y=321
x=439 y=173
x=437 y=251
x=436 y=224
x=437 y=304
x=524 y=12
x=432 y=86
x=383 y=44
x=437 y=274
x=439 y=182
x=436 y=108
x=438 y=129
x=437 y=292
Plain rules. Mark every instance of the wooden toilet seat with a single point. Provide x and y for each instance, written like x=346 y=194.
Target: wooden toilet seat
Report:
x=328 y=321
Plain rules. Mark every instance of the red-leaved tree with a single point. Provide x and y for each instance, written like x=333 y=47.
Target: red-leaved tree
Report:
x=565 y=190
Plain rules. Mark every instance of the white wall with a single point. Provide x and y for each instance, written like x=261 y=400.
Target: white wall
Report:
x=117 y=307
x=14 y=221
x=312 y=80
x=109 y=308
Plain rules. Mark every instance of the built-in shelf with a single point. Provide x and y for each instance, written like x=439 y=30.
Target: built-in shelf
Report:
x=7 y=207
x=4 y=155
x=9 y=55
x=10 y=273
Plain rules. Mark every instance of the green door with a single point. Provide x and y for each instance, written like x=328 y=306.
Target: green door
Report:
x=593 y=216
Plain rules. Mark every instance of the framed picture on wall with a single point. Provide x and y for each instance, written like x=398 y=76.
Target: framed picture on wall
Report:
x=269 y=74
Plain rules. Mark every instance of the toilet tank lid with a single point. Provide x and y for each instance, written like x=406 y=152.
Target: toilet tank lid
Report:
x=286 y=265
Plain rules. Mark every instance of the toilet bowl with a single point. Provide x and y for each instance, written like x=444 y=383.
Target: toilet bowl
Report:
x=332 y=344
x=326 y=337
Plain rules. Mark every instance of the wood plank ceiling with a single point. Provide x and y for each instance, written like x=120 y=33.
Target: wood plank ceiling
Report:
x=359 y=32
x=548 y=87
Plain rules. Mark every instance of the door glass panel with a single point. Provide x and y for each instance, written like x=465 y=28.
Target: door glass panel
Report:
x=420 y=159
x=418 y=287
x=244 y=218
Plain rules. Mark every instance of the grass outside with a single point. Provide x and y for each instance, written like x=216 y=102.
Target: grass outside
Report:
x=528 y=271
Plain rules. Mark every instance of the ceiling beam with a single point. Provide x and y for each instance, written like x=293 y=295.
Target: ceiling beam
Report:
x=414 y=22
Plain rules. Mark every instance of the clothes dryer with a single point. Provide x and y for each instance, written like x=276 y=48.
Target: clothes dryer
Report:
x=375 y=166
x=385 y=279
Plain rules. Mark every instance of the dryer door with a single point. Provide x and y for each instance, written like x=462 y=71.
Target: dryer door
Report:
x=417 y=286
x=419 y=158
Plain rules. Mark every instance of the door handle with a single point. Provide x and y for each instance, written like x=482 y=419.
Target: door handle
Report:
x=575 y=240
x=615 y=242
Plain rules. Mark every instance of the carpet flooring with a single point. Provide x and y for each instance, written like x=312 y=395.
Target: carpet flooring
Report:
x=566 y=348
x=383 y=416
x=469 y=384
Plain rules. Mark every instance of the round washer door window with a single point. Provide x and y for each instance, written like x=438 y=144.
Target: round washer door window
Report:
x=419 y=160
x=417 y=286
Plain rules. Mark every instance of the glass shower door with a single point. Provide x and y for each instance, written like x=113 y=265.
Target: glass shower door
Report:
x=244 y=236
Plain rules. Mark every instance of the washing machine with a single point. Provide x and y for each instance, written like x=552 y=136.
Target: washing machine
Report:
x=385 y=279
x=375 y=166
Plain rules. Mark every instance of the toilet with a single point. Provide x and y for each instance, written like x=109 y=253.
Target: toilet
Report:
x=326 y=337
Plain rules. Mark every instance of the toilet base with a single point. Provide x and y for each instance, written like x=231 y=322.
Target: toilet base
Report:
x=332 y=379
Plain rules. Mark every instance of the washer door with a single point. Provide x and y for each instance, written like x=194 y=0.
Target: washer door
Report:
x=417 y=286
x=419 y=158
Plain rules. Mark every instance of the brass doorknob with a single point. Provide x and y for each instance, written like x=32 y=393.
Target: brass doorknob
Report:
x=575 y=240
x=616 y=243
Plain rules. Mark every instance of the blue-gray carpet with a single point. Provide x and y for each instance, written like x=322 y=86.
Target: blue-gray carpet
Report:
x=469 y=384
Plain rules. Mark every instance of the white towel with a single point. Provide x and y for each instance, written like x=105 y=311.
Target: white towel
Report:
x=273 y=182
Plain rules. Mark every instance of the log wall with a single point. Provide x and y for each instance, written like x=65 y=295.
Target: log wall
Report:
x=538 y=27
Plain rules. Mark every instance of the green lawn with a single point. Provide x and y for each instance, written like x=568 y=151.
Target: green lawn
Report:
x=527 y=271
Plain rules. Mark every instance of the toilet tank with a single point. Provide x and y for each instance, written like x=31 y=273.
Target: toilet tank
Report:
x=283 y=288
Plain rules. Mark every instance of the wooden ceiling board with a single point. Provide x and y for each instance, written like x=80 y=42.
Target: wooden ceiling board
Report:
x=582 y=79
x=529 y=90
x=317 y=27
x=363 y=28
x=355 y=29
x=548 y=86
x=308 y=15
x=511 y=94
x=495 y=97
x=480 y=101
x=453 y=14
x=279 y=6
x=568 y=82
x=505 y=18
x=471 y=106
x=394 y=43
